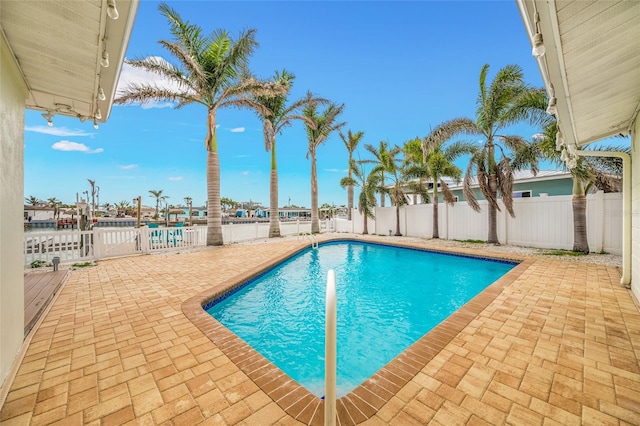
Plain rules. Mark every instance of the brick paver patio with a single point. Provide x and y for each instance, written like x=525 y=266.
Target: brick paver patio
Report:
x=558 y=343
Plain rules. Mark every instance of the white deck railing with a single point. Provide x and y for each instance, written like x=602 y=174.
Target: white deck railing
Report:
x=73 y=246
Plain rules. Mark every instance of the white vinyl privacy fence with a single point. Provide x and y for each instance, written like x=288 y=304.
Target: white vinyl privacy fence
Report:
x=544 y=222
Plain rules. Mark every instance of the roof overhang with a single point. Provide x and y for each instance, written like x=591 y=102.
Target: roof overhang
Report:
x=58 y=45
x=591 y=64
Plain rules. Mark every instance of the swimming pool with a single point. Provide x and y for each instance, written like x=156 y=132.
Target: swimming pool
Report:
x=386 y=301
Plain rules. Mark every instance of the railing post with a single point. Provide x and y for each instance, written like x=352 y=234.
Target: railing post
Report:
x=97 y=244
x=330 y=352
x=145 y=245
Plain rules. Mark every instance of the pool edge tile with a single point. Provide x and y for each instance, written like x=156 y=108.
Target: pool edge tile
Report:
x=308 y=408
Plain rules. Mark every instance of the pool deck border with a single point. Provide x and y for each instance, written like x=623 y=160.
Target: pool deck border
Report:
x=365 y=400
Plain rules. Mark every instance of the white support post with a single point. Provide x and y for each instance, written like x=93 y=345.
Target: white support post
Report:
x=330 y=352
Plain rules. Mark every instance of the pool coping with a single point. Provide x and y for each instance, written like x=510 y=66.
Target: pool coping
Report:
x=365 y=400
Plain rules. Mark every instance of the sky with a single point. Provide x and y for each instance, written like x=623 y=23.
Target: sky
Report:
x=401 y=68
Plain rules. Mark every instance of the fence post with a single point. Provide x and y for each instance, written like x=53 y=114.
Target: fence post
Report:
x=144 y=239
x=298 y=225
x=257 y=229
x=97 y=244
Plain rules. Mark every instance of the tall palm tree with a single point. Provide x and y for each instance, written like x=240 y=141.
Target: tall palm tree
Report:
x=440 y=159
x=212 y=72
x=368 y=185
x=380 y=155
x=351 y=142
x=601 y=172
x=123 y=206
x=319 y=125
x=415 y=167
x=92 y=183
x=56 y=204
x=157 y=194
x=393 y=167
x=32 y=200
x=495 y=111
x=276 y=114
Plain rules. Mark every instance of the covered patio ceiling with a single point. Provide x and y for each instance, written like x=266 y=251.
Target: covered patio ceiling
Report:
x=59 y=46
x=592 y=63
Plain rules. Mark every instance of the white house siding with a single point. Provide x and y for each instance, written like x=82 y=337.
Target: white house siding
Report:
x=635 y=209
x=12 y=105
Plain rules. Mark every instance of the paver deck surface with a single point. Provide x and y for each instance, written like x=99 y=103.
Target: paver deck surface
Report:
x=558 y=345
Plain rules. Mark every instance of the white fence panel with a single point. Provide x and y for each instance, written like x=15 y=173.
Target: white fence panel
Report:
x=358 y=223
x=69 y=246
x=343 y=225
x=465 y=224
x=418 y=219
x=237 y=232
x=612 y=218
x=385 y=221
x=545 y=222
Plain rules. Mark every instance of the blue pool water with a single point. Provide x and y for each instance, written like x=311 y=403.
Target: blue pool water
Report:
x=387 y=298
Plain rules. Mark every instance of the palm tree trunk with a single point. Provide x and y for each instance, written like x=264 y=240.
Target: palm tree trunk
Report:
x=315 y=224
x=214 y=208
x=349 y=199
x=579 y=204
x=493 y=216
x=365 y=228
x=274 y=219
x=382 y=194
x=398 y=234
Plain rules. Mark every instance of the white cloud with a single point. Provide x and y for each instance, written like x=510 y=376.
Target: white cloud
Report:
x=241 y=156
x=245 y=173
x=175 y=178
x=537 y=137
x=237 y=130
x=56 y=131
x=156 y=104
x=138 y=76
x=128 y=166
x=75 y=146
x=335 y=170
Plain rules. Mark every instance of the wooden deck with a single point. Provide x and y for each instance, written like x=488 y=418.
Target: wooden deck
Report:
x=39 y=289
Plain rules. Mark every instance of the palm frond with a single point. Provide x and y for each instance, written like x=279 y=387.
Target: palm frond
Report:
x=504 y=175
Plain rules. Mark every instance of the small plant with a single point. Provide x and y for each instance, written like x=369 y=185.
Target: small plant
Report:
x=561 y=252
x=82 y=265
x=472 y=241
x=603 y=252
x=38 y=263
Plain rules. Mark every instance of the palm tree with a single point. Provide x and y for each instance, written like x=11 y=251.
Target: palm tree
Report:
x=123 y=206
x=93 y=196
x=415 y=167
x=212 y=72
x=32 y=200
x=107 y=207
x=319 y=125
x=380 y=155
x=439 y=159
x=496 y=104
x=368 y=185
x=393 y=167
x=276 y=115
x=351 y=142
x=601 y=172
x=56 y=204
x=157 y=194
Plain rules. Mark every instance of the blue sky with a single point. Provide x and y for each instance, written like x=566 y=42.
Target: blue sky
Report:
x=400 y=68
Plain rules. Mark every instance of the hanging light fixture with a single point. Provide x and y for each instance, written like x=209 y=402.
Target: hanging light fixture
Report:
x=538 y=45
x=95 y=124
x=98 y=115
x=111 y=9
x=101 y=94
x=47 y=116
x=551 y=108
x=104 y=61
x=559 y=140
